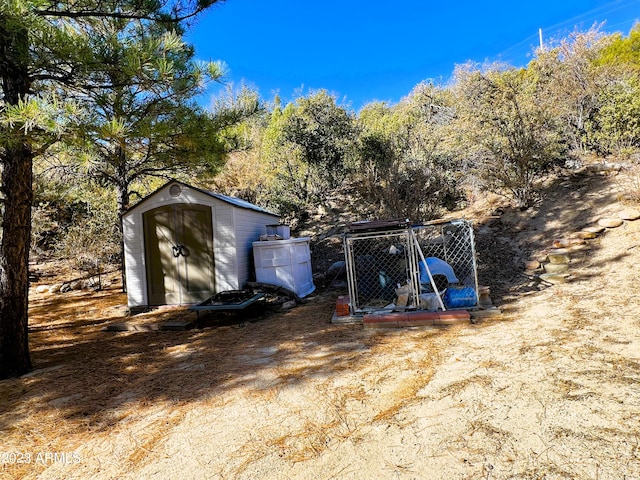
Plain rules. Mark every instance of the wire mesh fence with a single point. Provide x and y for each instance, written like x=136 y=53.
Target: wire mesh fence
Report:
x=386 y=269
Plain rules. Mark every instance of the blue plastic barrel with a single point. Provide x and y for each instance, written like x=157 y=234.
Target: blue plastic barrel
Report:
x=459 y=297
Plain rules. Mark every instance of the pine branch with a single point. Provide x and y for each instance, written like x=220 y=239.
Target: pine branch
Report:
x=178 y=15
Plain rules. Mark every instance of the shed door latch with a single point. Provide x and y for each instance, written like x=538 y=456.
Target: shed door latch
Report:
x=179 y=250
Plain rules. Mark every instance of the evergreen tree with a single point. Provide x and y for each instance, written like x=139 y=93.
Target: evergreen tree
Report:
x=143 y=121
x=510 y=134
x=45 y=44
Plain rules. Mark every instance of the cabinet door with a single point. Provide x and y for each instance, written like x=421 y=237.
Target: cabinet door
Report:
x=196 y=259
x=163 y=284
x=179 y=254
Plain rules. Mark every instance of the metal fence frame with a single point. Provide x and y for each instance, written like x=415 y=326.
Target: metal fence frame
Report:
x=377 y=261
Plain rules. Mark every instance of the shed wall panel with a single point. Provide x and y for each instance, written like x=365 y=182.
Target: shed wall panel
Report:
x=225 y=249
x=249 y=226
x=134 y=260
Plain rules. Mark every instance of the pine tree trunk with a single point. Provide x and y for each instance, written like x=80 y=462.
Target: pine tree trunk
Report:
x=16 y=193
x=14 y=262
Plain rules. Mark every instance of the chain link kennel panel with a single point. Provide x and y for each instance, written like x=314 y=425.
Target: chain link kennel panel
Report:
x=386 y=271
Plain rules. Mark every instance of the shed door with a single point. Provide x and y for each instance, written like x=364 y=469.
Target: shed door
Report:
x=179 y=254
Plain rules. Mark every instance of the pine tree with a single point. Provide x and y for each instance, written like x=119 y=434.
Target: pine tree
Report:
x=45 y=45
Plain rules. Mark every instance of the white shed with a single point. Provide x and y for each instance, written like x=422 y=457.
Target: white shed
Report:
x=183 y=244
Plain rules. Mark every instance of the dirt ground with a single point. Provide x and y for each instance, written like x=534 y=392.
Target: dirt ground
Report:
x=548 y=391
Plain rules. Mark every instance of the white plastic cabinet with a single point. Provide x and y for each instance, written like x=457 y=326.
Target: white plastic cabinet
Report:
x=286 y=263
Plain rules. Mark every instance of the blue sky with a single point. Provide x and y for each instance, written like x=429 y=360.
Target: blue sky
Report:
x=371 y=50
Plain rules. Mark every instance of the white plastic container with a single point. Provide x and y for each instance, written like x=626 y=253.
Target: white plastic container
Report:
x=286 y=263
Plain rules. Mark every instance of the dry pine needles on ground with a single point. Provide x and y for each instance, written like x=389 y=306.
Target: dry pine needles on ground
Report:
x=549 y=391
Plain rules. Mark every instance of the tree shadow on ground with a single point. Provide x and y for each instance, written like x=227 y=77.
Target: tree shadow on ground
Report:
x=90 y=377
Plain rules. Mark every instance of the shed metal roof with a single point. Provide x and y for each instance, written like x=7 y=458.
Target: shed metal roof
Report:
x=237 y=202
